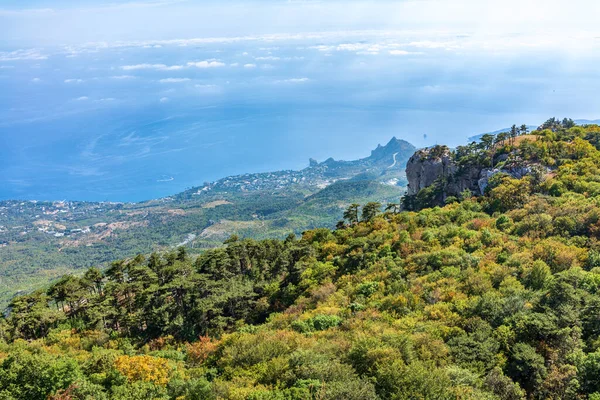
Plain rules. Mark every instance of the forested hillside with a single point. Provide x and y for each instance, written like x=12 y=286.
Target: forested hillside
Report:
x=487 y=297
x=40 y=241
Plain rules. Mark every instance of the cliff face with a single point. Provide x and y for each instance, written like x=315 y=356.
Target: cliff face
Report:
x=427 y=166
x=437 y=166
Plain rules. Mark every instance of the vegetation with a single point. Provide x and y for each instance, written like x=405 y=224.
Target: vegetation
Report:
x=94 y=234
x=491 y=297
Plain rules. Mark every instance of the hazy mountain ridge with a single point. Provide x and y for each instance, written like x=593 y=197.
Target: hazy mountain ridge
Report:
x=385 y=162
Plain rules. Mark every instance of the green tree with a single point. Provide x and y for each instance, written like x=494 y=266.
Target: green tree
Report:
x=370 y=210
x=526 y=367
x=351 y=213
x=523 y=129
x=487 y=141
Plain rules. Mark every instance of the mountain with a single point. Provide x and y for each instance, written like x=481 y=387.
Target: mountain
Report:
x=587 y=121
x=40 y=241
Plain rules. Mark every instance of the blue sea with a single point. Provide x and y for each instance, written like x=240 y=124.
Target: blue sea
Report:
x=146 y=119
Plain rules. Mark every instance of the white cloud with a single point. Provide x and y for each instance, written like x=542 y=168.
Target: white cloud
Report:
x=294 y=80
x=206 y=64
x=429 y=44
x=267 y=58
x=249 y=65
x=160 y=67
x=174 y=80
x=36 y=80
x=122 y=77
x=82 y=98
x=73 y=80
x=399 y=52
x=208 y=89
x=22 y=54
x=107 y=99
x=164 y=99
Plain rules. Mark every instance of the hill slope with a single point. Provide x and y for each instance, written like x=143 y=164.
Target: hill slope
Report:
x=494 y=296
x=40 y=241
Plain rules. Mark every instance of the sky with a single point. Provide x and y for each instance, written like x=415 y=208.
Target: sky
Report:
x=126 y=101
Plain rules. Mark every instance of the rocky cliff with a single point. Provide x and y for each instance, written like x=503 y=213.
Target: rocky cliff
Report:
x=437 y=165
x=436 y=168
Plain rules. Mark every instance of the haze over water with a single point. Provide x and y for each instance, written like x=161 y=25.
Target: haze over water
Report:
x=132 y=101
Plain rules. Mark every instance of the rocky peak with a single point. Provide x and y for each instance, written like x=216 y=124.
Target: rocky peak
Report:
x=392 y=147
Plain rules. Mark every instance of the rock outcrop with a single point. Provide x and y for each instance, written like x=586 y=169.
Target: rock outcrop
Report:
x=437 y=166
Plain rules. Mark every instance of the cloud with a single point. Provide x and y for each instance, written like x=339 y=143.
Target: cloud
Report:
x=174 y=80
x=22 y=55
x=269 y=58
x=164 y=67
x=401 y=52
x=368 y=48
x=122 y=77
x=82 y=98
x=164 y=99
x=36 y=80
x=429 y=44
x=294 y=80
x=206 y=64
x=160 y=67
x=249 y=65
x=208 y=89
x=74 y=81
x=84 y=171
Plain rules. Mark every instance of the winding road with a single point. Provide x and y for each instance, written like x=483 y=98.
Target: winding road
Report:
x=395 y=154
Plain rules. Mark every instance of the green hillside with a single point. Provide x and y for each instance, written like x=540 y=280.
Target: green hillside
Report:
x=41 y=241
x=488 y=297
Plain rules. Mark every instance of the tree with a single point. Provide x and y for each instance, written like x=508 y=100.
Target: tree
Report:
x=351 y=213
x=31 y=318
x=93 y=277
x=524 y=130
x=393 y=207
x=501 y=138
x=36 y=376
x=539 y=275
x=487 y=141
x=370 y=210
x=526 y=367
x=514 y=132
x=511 y=193
x=503 y=386
x=568 y=123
